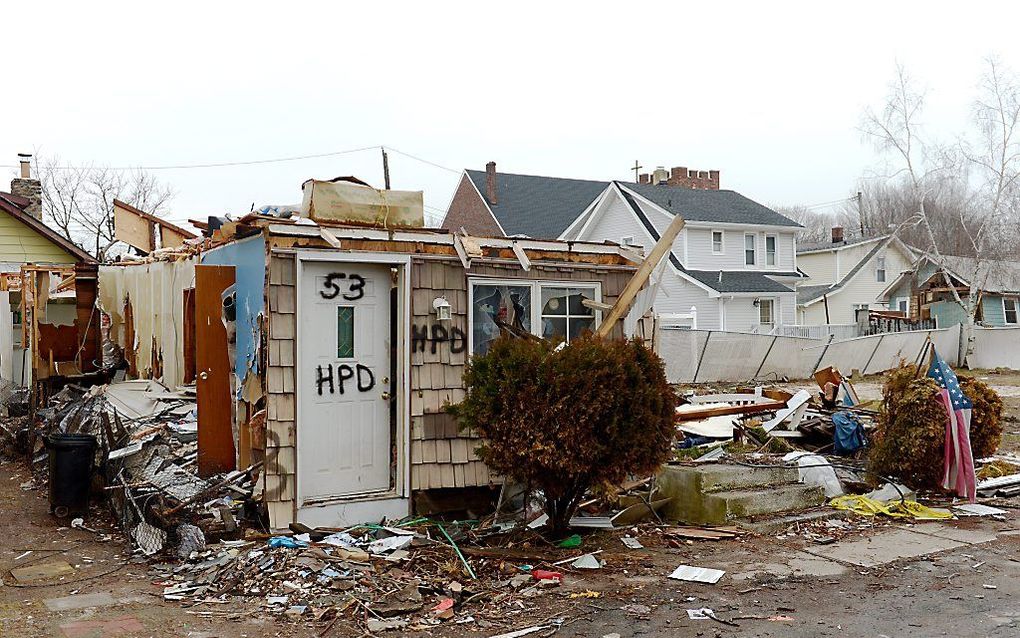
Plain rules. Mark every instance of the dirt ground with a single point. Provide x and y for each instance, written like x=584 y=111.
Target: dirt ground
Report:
x=957 y=578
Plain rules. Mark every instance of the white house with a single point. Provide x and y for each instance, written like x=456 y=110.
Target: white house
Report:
x=734 y=263
x=848 y=275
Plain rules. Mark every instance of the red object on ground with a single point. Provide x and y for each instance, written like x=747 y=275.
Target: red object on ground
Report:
x=541 y=574
x=443 y=605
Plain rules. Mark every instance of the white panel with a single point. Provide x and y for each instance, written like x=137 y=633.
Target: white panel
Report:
x=344 y=431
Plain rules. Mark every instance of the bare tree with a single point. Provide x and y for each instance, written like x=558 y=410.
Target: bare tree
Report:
x=78 y=200
x=925 y=167
x=817 y=225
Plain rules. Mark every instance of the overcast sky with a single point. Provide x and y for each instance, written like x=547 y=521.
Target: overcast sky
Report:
x=769 y=93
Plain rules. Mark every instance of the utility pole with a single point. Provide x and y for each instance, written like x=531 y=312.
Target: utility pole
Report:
x=860 y=210
x=637 y=167
x=386 y=167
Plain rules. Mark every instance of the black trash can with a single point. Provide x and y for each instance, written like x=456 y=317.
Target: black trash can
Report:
x=71 y=462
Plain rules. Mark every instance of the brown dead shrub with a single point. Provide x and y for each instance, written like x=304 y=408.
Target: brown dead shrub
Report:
x=591 y=413
x=909 y=441
x=986 y=419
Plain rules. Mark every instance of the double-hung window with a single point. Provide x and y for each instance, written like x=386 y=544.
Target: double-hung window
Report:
x=717 y=242
x=880 y=269
x=1011 y=310
x=750 y=252
x=549 y=310
x=771 y=250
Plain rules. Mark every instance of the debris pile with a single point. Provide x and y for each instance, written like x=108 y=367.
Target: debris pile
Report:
x=413 y=575
x=146 y=455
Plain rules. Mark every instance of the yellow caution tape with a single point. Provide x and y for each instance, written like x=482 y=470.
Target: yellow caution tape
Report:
x=586 y=594
x=894 y=508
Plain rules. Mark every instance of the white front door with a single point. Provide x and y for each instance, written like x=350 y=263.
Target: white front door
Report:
x=344 y=440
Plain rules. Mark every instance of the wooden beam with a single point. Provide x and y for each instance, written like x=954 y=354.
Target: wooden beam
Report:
x=750 y=408
x=640 y=278
x=522 y=256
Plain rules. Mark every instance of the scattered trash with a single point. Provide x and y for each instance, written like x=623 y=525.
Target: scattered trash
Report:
x=632 y=542
x=697 y=574
x=587 y=561
x=571 y=542
x=977 y=509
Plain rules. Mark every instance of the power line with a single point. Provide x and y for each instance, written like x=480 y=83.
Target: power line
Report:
x=424 y=161
x=832 y=203
x=214 y=164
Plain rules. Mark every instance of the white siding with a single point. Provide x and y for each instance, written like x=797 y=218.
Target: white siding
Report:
x=682 y=295
x=614 y=222
x=699 y=243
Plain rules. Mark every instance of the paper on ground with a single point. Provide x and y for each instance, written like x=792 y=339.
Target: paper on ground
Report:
x=697 y=574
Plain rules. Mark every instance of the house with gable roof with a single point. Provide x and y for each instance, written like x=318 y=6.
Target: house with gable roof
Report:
x=733 y=266
x=847 y=275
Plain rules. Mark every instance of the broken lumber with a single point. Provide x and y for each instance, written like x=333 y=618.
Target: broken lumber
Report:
x=752 y=408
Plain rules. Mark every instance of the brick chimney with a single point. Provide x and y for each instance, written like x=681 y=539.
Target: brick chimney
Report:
x=490 y=183
x=682 y=177
x=25 y=186
x=837 y=234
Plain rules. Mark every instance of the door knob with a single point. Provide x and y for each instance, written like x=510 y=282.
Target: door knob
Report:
x=203 y=375
x=385 y=396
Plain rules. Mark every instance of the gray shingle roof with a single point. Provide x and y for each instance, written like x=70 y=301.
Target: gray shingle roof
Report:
x=730 y=281
x=543 y=207
x=539 y=207
x=828 y=245
x=808 y=293
x=711 y=206
x=720 y=281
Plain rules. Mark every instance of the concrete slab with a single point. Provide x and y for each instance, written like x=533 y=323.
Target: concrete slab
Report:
x=953 y=533
x=42 y=571
x=790 y=564
x=885 y=547
x=79 y=601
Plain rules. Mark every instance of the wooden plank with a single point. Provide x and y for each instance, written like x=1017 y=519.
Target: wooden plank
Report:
x=638 y=280
x=215 y=432
x=754 y=408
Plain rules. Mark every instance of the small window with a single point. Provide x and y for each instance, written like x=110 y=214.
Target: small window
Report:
x=766 y=312
x=564 y=313
x=344 y=332
x=1010 y=310
x=904 y=306
x=717 y=242
x=627 y=241
x=880 y=269
x=498 y=304
x=770 y=250
x=750 y=258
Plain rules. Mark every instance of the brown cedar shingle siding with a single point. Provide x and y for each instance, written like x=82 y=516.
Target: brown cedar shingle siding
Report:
x=281 y=440
x=467 y=210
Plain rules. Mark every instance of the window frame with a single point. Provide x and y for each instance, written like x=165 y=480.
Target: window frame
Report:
x=627 y=241
x=753 y=249
x=881 y=267
x=536 y=286
x=772 y=310
x=722 y=241
x=775 y=251
x=1016 y=311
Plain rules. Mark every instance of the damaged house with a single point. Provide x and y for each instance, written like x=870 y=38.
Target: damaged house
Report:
x=325 y=345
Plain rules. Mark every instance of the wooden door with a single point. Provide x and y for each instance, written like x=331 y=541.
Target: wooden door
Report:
x=212 y=383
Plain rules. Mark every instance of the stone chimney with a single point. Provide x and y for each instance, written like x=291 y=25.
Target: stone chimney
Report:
x=25 y=186
x=837 y=234
x=490 y=184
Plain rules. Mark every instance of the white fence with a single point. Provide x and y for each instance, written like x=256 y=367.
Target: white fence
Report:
x=694 y=356
x=994 y=348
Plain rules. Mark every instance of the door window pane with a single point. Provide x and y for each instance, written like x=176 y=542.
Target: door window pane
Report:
x=497 y=303
x=563 y=313
x=344 y=332
x=765 y=316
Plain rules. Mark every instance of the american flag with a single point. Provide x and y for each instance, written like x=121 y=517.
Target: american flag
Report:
x=959 y=460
